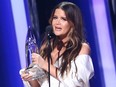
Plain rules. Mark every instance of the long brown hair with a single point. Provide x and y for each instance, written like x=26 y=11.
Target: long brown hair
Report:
x=75 y=35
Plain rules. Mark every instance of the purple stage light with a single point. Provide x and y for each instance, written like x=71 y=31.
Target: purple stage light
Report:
x=104 y=42
x=20 y=22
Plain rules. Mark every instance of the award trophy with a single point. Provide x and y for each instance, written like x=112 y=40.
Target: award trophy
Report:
x=31 y=47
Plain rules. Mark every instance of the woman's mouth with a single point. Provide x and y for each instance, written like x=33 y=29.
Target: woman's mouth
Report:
x=58 y=28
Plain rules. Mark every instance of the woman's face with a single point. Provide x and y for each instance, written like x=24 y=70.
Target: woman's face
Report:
x=60 y=24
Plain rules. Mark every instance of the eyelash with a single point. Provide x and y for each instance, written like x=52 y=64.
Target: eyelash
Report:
x=54 y=17
x=64 y=19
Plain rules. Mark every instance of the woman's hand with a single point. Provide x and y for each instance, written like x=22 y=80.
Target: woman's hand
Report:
x=26 y=76
x=37 y=59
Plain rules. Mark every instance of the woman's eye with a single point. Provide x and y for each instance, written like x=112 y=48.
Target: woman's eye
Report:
x=54 y=17
x=63 y=18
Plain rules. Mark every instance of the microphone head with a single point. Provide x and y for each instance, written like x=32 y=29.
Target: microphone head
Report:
x=49 y=31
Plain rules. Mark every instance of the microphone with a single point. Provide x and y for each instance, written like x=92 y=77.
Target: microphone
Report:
x=50 y=35
x=49 y=31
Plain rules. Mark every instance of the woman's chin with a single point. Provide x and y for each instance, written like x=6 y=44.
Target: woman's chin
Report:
x=57 y=34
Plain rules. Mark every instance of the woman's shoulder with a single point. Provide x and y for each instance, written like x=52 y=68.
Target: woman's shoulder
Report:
x=85 y=49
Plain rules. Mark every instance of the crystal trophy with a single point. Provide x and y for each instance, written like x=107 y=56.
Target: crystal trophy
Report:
x=31 y=47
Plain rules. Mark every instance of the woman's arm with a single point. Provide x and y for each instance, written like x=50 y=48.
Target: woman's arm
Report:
x=34 y=83
x=53 y=69
x=85 y=49
x=37 y=59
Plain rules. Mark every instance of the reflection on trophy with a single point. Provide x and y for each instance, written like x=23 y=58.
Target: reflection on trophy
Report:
x=30 y=47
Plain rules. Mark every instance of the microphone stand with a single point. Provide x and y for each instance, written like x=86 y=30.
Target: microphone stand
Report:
x=49 y=56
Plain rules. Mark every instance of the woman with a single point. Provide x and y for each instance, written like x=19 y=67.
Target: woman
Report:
x=71 y=64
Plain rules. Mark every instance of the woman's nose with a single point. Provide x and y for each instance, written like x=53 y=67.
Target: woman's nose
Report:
x=58 y=21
